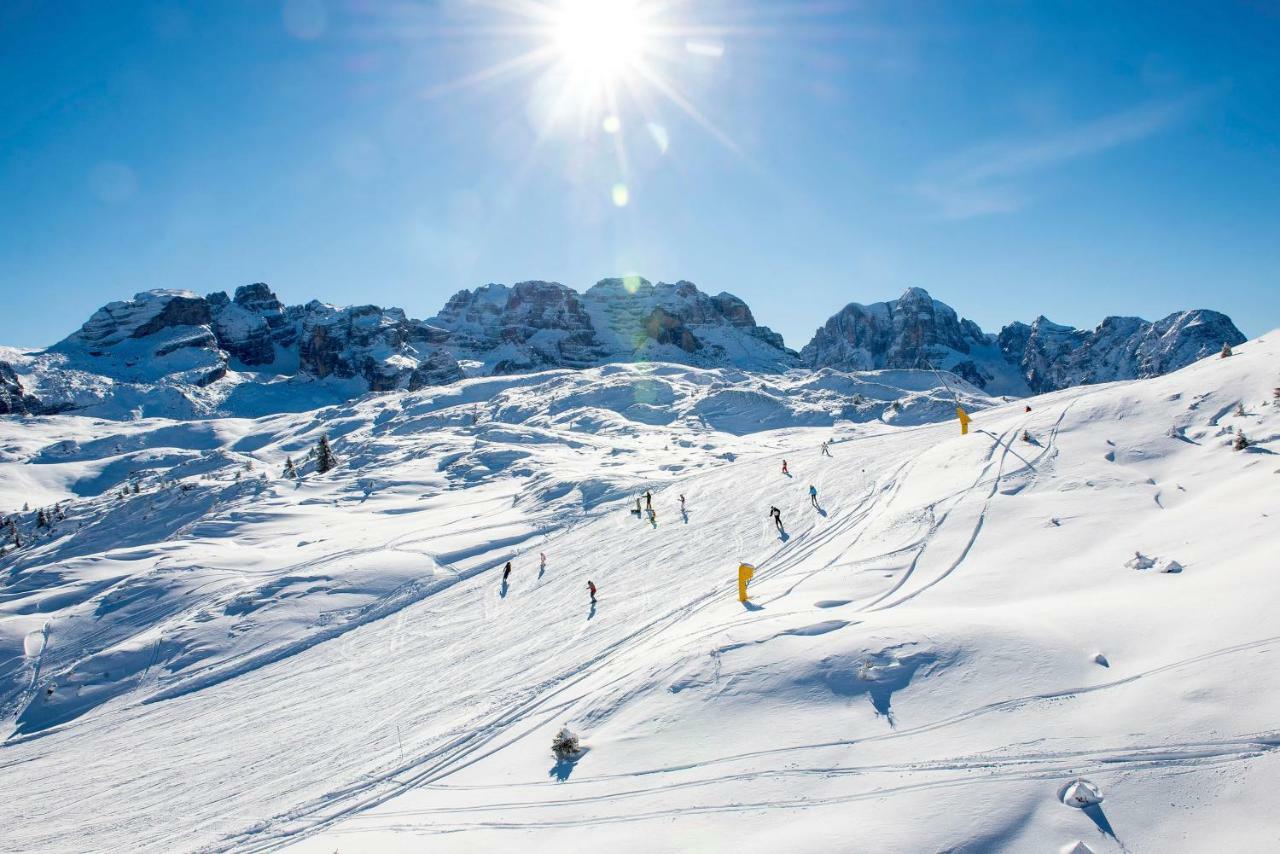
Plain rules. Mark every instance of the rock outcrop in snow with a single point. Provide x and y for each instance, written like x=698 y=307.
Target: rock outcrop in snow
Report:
x=1051 y=356
x=917 y=331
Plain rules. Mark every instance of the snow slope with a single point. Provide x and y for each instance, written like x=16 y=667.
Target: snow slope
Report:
x=250 y=664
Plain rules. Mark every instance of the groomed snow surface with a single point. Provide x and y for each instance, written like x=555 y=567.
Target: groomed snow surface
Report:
x=957 y=650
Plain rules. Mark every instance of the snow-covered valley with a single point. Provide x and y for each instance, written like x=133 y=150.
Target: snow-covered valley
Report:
x=232 y=659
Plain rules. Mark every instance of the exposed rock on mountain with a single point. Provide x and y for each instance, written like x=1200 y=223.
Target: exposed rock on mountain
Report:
x=528 y=326
x=1051 y=356
x=917 y=331
x=13 y=397
x=533 y=325
x=176 y=353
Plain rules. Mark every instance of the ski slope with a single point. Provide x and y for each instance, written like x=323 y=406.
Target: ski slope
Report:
x=927 y=662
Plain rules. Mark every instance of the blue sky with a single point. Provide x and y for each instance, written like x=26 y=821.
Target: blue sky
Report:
x=1074 y=159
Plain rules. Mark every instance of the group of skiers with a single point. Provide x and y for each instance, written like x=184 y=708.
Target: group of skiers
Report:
x=542 y=567
x=644 y=506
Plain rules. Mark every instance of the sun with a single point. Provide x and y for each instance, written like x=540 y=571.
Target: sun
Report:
x=601 y=41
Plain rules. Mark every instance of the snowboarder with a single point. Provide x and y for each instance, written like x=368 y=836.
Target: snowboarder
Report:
x=826 y=452
x=784 y=468
x=506 y=573
x=776 y=515
x=591 y=588
x=813 y=495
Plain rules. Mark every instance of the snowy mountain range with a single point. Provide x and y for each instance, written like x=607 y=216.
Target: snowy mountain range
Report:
x=174 y=353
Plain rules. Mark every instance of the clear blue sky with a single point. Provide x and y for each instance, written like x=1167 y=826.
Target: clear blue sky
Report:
x=1075 y=159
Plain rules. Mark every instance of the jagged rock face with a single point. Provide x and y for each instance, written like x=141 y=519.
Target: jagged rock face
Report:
x=912 y=332
x=157 y=334
x=353 y=342
x=13 y=398
x=176 y=337
x=527 y=326
x=917 y=331
x=250 y=326
x=1051 y=356
x=678 y=322
x=535 y=325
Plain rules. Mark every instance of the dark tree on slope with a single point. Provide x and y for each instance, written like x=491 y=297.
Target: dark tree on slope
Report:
x=42 y=520
x=1226 y=349
x=1241 y=442
x=290 y=470
x=325 y=460
x=564 y=745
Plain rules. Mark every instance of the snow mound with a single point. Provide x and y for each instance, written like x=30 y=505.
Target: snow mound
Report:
x=1080 y=793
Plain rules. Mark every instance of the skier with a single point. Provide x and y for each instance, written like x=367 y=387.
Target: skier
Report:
x=681 y=503
x=506 y=573
x=542 y=566
x=648 y=500
x=826 y=452
x=776 y=514
x=1026 y=437
x=637 y=510
x=784 y=468
x=813 y=495
x=1027 y=408
x=591 y=588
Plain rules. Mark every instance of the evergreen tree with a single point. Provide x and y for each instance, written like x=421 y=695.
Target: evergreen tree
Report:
x=1240 y=413
x=1226 y=349
x=42 y=521
x=26 y=508
x=325 y=460
x=137 y=487
x=290 y=470
x=1241 y=442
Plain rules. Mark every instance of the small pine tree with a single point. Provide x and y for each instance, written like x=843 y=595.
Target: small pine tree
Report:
x=290 y=470
x=42 y=520
x=1241 y=442
x=26 y=508
x=1026 y=437
x=1226 y=349
x=137 y=487
x=1240 y=413
x=325 y=460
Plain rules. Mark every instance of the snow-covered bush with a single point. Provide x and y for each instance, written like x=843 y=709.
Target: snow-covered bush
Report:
x=1226 y=349
x=565 y=745
x=1241 y=441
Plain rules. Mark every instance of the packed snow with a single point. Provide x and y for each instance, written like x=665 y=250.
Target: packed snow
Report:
x=198 y=652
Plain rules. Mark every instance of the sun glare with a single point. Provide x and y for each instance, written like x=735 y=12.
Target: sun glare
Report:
x=600 y=40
